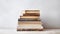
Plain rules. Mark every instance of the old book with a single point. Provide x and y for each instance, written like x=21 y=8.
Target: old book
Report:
x=30 y=27
x=32 y=11
x=31 y=14
x=29 y=22
x=31 y=17
x=28 y=19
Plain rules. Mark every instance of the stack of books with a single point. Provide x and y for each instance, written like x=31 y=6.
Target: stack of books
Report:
x=30 y=21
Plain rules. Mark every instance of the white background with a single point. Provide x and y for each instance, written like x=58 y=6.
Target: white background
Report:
x=10 y=10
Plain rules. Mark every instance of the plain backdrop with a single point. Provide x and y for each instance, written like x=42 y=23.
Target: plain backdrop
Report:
x=10 y=10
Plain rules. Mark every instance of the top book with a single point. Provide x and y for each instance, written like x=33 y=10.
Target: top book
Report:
x=32 y=11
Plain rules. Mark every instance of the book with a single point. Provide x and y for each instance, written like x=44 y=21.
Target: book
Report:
x=31 y=14
x=30 y=17
x=32 y=11
x=30 y=27
x=27 y=18
x=29 y=22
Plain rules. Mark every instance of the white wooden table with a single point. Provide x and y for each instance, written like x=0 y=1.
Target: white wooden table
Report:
x=46 y=31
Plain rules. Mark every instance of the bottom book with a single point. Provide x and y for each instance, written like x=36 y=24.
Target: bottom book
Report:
x=30 y=27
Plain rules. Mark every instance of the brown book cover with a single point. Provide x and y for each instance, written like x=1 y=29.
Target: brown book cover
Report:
x=31 y=14
x=32 y=11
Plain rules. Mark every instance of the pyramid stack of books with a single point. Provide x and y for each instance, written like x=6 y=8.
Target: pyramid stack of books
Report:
x=30 y=21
